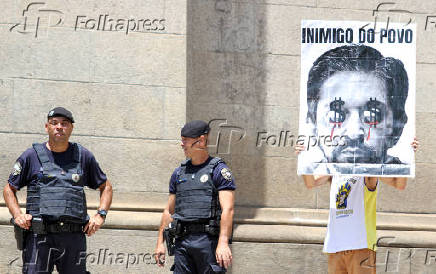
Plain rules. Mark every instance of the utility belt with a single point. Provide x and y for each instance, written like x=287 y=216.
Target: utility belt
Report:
x=63 y=227
x=178 y=229
x=212 y=228
x=42 y=228
x=182 y=229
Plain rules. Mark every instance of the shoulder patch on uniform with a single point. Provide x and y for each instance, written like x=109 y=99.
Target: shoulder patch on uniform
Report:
x=226 y=174
x=17 y=169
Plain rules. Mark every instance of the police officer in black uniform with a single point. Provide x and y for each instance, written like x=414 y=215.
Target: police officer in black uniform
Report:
x=199 y=209
x=56 y=220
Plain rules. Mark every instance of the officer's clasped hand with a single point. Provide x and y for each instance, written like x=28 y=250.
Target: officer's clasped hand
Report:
x=159 y=255
x=94 y=224
x=223 y=255
x=23 y=221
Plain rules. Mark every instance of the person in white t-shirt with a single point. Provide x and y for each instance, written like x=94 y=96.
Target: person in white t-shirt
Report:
x=351 y=232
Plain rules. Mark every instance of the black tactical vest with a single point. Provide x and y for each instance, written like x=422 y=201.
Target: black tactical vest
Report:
x=196 y=194
x=59 y=193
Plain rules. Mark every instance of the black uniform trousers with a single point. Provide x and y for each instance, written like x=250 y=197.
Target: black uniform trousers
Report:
x=195 y=253
x=66 y=250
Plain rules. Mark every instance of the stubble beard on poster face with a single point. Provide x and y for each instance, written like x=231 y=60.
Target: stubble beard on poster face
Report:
x=356 y=151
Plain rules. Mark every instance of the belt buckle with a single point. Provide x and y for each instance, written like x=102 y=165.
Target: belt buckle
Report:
x=63 y=227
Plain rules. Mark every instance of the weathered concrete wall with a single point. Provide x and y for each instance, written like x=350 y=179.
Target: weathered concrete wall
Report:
x=126 y=88
x=234 y=62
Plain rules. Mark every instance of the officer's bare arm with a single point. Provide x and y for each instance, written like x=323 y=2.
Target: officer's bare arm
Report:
x=9 y=194
x=166 y=216
x=227 y=200
x=223 y=252
x=21 y=219
x=312 y=181
x=165 y=220
x=96 y=221
x=105 y=195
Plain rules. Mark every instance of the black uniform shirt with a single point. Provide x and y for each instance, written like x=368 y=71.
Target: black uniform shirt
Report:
x=27 y=168
x=222 y=177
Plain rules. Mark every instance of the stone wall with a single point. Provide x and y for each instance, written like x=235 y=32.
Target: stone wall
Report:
x=125 y=85
x=235 y=63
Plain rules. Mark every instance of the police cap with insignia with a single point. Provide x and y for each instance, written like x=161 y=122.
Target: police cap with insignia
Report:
x=61 y=112
x=195 y=128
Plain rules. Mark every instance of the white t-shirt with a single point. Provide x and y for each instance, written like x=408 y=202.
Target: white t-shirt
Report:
x=352 y=216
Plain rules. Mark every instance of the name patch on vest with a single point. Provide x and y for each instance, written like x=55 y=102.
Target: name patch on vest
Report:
x=75 y=177
x=204 y=178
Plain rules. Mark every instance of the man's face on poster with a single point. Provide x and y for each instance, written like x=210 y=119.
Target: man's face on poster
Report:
x=354 y=105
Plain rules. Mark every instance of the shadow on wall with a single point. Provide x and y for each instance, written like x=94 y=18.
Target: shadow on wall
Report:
x=226 y=86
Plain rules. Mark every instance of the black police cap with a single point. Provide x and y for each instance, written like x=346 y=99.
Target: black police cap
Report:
x=61 y=112
x=195 y=128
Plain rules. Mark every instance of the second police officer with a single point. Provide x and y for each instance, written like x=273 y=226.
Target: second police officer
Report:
x=199 y=209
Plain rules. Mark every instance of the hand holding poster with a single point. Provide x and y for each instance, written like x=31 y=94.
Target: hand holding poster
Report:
x=357 y=99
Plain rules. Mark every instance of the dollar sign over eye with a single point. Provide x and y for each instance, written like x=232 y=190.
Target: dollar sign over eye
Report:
x=336 y=113
x=372 y=115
